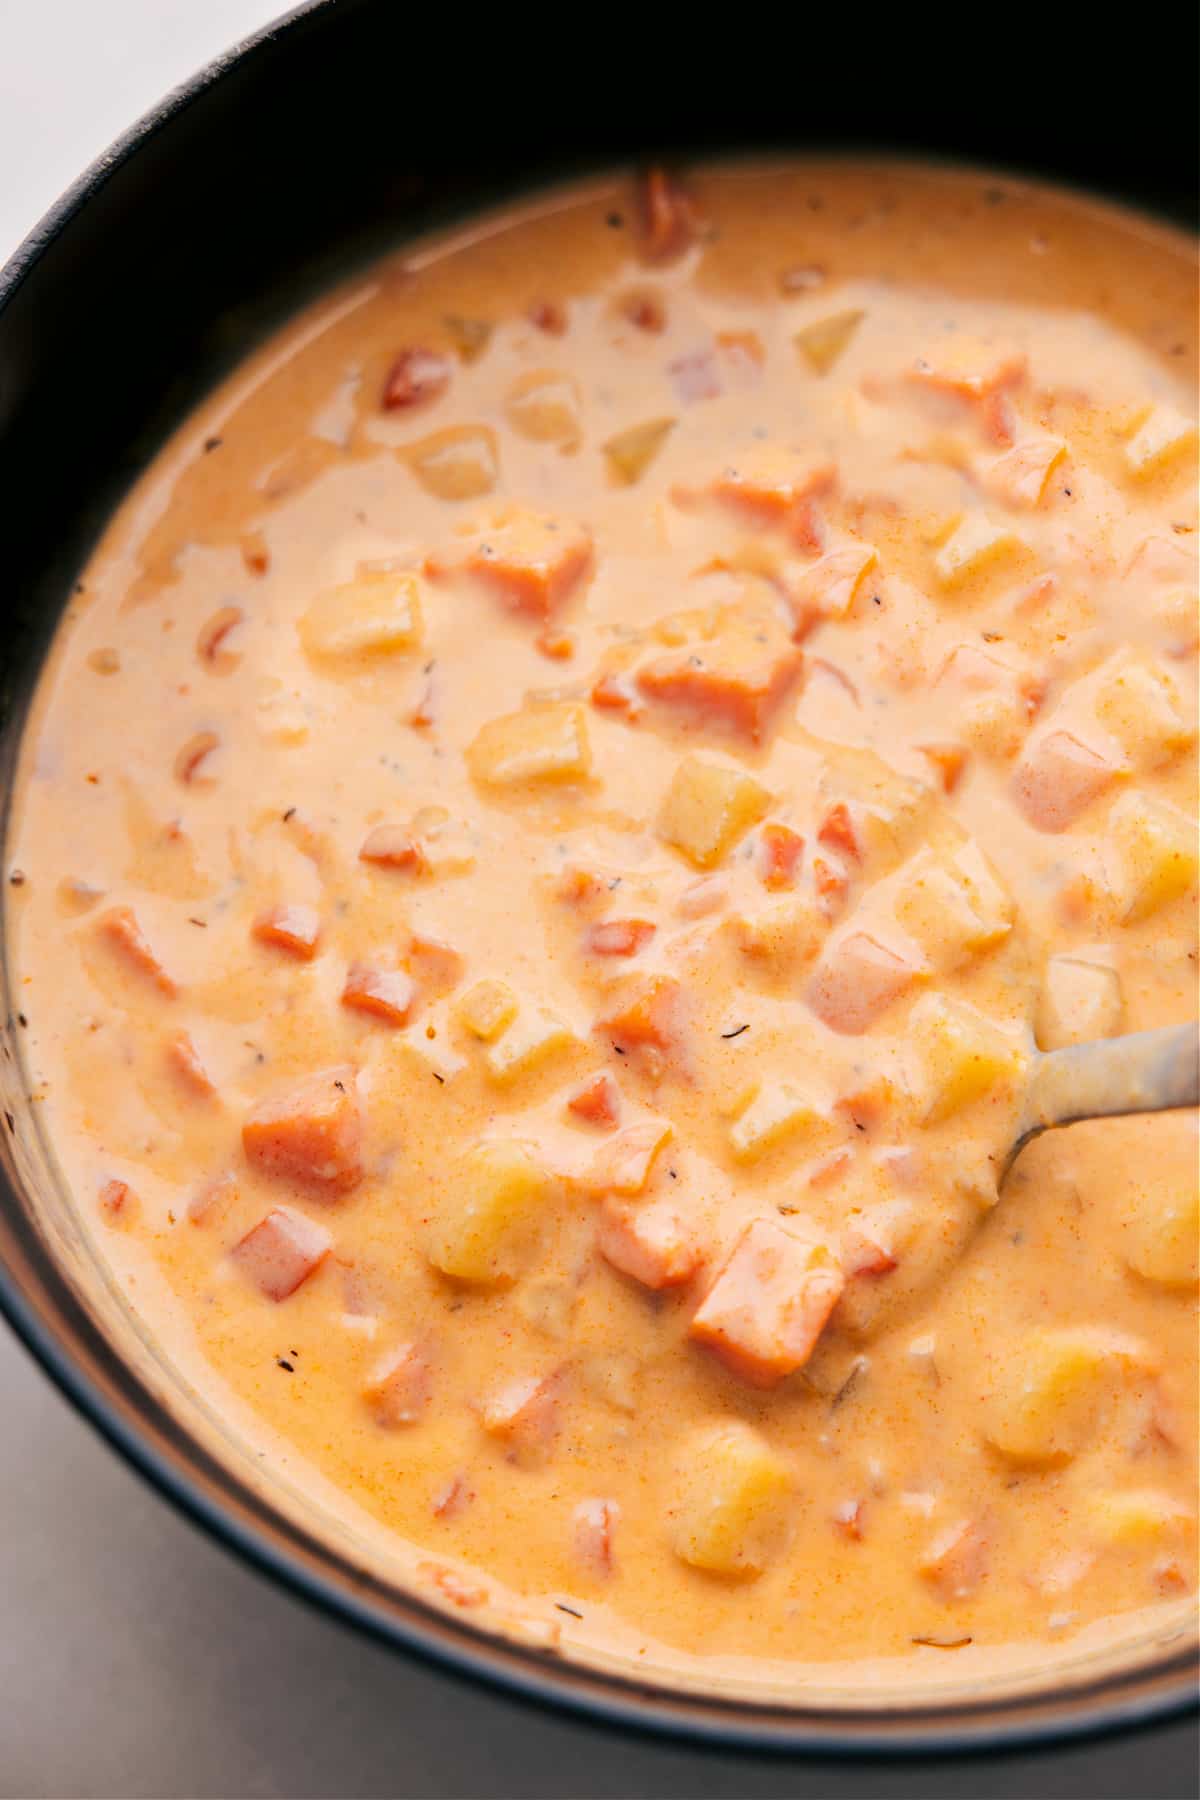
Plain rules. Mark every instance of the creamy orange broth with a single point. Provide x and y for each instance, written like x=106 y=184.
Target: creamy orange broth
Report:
x=648 y=710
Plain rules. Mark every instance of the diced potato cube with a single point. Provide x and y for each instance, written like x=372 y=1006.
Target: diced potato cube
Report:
x=376 y=613
x=1059 y=776
x=940 y=910
x=533 y=560
x=960 y=1054
x=769 y=1303
x=780 y=935
x=310 y=1133
x=457 y=464
x=731 y=1501
x=1164 y=436
x=631 y=452
x=531 y=1039
x=1080 y=1001
x=823 y=342
x=1138 y=701
x=544 y=406
x=973 y=548
x=487 y=1009
x=1150 y=855
x=487 y=1214
x=707 y=808
x=538 y=744
x=776 y=1111
x=1162 y=1235
x=1136 y=1518
x=1047 y=1392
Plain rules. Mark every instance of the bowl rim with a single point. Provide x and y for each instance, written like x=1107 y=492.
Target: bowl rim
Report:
x=1124 y=1700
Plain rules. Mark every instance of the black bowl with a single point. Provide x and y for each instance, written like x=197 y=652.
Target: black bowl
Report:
x=325 y=138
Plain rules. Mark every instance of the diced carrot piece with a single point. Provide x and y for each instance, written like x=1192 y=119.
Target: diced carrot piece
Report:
x=439 y=965
x=869 y=1102
x=190 y=760
x=857 y=979
x=871 y=1240
x=118 y=1203
x=210 y=643
x=598 y=1101
x=611 y=695
x=837 y=831
x=949 y=760
x=415 y=376
x=549 y=316
x=779 y=852
x=645 y=310
x=398 y=1387
x=971 y=370
x=668 y=220
x=622 y=1164
x=453 y=1585
x=184 y=1058
x=848 y=1520
x=1022 y=474
x=738 y=679
x=452 y=1497
x=255 y=555
x=832 y=884
x=829 y=1169
x=311 y=1133
x=956 y=1561
x=769 y=1303
x=385 y=993
x=579 y=887
x=769 y=482
x=394 y=847
x=119 y=925
x=212 y=1200
x=594 y=1523
x=532 y=560
x=708 y=895
x=618 y=937
x=282 y=1251
x=827 y=590
x=296 y=929
x=650 y=1243
x=647 y=1014
x=524 y=1415
x=1057 y=777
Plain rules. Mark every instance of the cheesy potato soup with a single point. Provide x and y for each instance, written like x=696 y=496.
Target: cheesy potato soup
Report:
x=556 y=818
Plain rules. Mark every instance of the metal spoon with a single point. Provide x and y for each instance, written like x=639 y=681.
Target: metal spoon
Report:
x=1148 y=1071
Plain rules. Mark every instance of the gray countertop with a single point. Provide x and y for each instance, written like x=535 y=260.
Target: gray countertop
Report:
x=136 y=1658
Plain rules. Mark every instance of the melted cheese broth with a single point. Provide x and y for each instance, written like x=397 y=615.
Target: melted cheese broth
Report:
x=625 y=1121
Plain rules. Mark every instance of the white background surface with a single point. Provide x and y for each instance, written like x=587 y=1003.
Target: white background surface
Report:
x=135 y=1657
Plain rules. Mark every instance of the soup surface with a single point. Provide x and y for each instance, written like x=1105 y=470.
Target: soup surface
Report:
x=557 y=816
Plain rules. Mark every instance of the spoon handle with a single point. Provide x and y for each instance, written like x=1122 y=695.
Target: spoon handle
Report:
x=1148 y=1071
